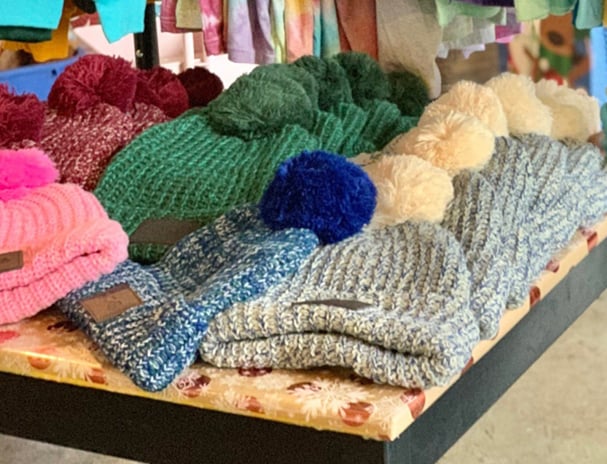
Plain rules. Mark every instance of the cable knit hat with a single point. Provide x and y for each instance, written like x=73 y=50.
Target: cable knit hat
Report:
x=391 y=303
x=162 y=311
x=475 y=218
x=53 y=237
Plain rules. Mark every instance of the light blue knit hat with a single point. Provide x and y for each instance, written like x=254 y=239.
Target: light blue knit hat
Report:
x=393 y=304
x=509 y=172
x=170 y=303
x=584 y=175
x=475 y=218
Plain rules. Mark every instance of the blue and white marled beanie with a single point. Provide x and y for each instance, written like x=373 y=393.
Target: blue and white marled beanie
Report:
x=510 y=174
x=475 y=218
x=231 y=260
x=393 y=304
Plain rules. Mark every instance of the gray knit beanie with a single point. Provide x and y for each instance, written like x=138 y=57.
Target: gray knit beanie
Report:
x=393 y=304
x=510 y=174
x=476 y=220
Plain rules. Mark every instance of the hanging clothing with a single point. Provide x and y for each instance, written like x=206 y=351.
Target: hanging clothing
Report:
x=527 y=10
x=188 y=14
x=588 y=14
x=212 y=26
x=58 y=48
x=357 y=26
x=279 y=41
x=249 y=32
x=299 y=28
x=448 y=10
x=44 y=14
x=326 y=34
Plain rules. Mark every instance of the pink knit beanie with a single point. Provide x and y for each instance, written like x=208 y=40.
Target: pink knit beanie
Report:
x=54 y=238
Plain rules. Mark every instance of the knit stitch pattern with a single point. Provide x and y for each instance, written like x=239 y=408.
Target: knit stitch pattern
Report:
x=509 y=172
x=66 y=240
x=391 y=303
x=188 y=171
x=231 y=260
x=475 y=218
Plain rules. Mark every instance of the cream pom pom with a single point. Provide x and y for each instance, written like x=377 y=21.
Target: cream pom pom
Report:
x=454 y=142
x=408 y=188
x=474 y=100
x=575 y=114
x=525 y=112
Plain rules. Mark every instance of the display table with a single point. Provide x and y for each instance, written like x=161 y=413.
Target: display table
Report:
x=55 y=386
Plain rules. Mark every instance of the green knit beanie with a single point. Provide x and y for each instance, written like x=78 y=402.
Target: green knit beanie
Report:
x=409 y=92
x=297 y=74
x=176 y=177
x=255 y=105
x=333 y=84
x=366 y=78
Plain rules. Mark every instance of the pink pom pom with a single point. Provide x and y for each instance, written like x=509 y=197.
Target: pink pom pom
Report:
x=22 y=170
x=201 y=84
x=21 y=117
x=91 y=80
x=161 y=88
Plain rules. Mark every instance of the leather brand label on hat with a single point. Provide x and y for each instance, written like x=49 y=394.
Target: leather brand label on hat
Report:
x=11 y=261
x=111 y=303
x=348 y=304
x=163 y=231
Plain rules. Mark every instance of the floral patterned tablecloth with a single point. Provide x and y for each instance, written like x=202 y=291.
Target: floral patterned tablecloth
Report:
x=49 y=347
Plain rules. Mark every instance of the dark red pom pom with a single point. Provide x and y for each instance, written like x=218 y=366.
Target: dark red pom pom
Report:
x=21 y=117
x=162 y=88
x=201 y=84
x=91 y=80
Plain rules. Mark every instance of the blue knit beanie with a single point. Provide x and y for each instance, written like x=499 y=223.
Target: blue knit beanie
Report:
x=167 y=306
x=393 y=304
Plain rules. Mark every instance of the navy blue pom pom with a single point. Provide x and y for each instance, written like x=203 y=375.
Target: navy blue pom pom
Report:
x=322 y=192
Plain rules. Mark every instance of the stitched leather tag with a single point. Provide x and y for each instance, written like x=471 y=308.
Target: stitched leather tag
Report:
x=11 y=261
x=111 y=303
x=163 y=231
x=348 y=304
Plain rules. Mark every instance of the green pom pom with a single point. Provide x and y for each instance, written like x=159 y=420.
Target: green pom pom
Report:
x=333 y=84
x=299 y=75
x=409 y=93
x=256 y=105
x=366 y=78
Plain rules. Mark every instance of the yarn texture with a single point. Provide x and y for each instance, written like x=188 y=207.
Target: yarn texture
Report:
x=64 y=239
x=322 y=192
x=232 y=260
x=392 y=304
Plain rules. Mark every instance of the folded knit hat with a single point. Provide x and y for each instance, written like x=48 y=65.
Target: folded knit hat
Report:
x=510 y=173
x=475 y=218
x=163 y=310
x=391 y=303
x=53 y=237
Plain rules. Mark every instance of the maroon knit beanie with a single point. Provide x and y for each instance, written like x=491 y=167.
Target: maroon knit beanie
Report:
x=201 y=84
x=21 y=117
x=162 y=88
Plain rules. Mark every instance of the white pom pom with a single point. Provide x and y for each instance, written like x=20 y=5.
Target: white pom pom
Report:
x=408 y=188
x=525 y=112
x=455 y=142
x=474 y=100
x=575 y=114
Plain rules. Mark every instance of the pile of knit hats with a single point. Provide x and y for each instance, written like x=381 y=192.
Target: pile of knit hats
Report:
x=205 y=162
x=545 y=180
x=232 y=260
x=53 y=237
x=95 y=107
